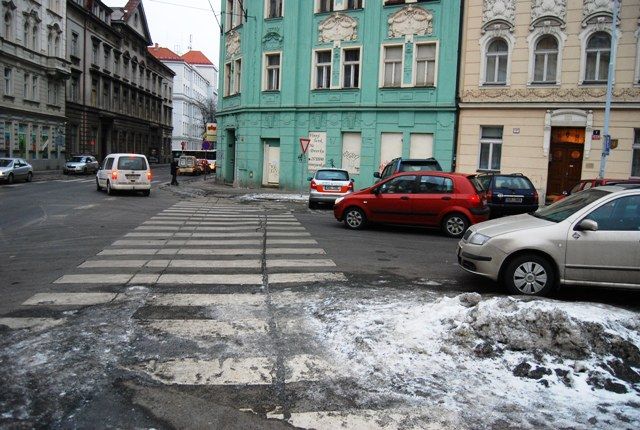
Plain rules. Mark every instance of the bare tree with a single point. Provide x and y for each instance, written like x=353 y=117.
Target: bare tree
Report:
x=207 y=108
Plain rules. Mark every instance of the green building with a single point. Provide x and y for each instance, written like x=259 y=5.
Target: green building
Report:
x=365 y=80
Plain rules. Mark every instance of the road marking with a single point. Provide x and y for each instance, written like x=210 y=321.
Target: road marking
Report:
x=144 y=278
x=158 y=264
x=287 y=234
x=85 y=207
x=149 y=234
x=207 y=300
x=214 y=235
x=301 y=263
x=290 y=278
x=195 y=242
x=295 y=251
x=360 y=419
x=233 y=251
x=217 y=264
x=188 y=279
x=92 y=264
x=291 y=242
x=163 y=222
x=93 y=279
x=139 y=243
x=31 y=323
x=147 y=251
x=143 y=227
x=269 y=223
x=191 y=329
x=220 y=223
x=70 y=299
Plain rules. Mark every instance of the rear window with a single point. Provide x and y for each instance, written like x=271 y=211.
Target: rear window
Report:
x=477 y=184
x=419 y=166
x=512 y=183
x=132 y=163
x=332 y=175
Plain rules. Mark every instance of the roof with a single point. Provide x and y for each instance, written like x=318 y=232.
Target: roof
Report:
x=196 y=57
x=164 y=54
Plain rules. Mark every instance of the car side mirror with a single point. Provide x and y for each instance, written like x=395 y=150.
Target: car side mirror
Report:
x=352 y=180
x=376 y=191
x=587 y=225
x=376 y=175
x=310 y=178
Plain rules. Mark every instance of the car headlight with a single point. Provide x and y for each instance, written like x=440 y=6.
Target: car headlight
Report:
x=478 y=239
x=338 y=200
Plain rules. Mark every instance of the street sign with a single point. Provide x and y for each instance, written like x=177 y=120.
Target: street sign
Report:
x=304 y=144
x=206 y=145
x=607 y=144
x=614 y=143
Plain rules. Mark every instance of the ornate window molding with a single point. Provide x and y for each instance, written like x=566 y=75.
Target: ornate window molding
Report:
x=498 y=15
x=584 y=36
x=532 y=41
x=232 y=44
x=410 y=20
x=548 y=12
x=337 y=27
x=568 y=118
x=484 y=42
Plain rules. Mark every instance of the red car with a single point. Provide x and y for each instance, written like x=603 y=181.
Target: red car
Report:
x=450 y=201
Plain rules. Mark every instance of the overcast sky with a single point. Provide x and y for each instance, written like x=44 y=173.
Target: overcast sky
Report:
x=171 y=22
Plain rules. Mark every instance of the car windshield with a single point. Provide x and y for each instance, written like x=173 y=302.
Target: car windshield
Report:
x=332 y=175
x=563 y=209
x=77 y=159
x=512 y=183
x=5 y=163
x=132 y=163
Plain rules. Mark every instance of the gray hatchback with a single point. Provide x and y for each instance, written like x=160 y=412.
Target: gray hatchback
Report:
x=84 y=164
x=12 y=169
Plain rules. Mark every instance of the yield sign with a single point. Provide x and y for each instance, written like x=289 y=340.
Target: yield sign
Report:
x=304 y=144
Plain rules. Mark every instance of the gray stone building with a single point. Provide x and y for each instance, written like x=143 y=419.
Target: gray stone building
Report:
x=34 y=70
x=119 y=95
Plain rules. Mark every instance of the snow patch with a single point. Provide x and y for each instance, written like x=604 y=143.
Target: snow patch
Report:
x=280 y=197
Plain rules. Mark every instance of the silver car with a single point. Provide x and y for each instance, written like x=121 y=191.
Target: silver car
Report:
x=84 y=164
x=327 y=184
x=589 y=238
x=12 y=169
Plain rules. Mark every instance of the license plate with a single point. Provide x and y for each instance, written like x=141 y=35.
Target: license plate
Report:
x=133 y=177
x=513 y=200
x=330 y=188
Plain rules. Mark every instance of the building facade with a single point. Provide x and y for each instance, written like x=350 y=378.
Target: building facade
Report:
x=32 y=60
x=533 y=86
x=119 y=95
x=191 y=91
x=366 y=81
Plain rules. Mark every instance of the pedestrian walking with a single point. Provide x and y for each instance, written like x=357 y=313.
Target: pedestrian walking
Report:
x=174 y=171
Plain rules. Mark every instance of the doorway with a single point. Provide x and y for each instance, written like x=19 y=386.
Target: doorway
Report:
x=565 y=159
x=271 y=165
x=230 y=157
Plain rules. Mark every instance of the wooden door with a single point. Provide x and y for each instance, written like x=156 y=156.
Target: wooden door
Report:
x=565 y=168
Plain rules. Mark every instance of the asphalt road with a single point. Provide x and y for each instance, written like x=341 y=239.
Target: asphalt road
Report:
x=104 y=287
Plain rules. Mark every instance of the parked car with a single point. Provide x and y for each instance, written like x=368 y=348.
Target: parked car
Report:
x=327 y=184
x=188 y=165
x=585 y=184
x=153 y=160
x=509 y=194
x=124 y=172
x=449 y=201
x=203 y=166
x=12 y=169
x=84 y=164
x=410 y=165
x=212 y=165
x=589 y=238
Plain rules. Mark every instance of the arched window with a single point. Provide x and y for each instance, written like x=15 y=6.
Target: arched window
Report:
x=546 y=60
x=50 y=44
x=597 y=57
x=8 y=26
x=56 y=46
x=25 y=34
x=34 y=38
x=497 y=58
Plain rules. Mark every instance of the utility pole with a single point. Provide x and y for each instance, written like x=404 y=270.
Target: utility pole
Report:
x=606 y=144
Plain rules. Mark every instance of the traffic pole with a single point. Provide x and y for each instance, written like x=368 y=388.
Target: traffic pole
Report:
x=606 y=143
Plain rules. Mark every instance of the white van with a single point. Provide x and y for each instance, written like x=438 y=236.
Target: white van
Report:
x=124 y=172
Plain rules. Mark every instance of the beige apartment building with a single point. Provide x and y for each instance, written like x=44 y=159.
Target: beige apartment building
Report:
x=532 y=90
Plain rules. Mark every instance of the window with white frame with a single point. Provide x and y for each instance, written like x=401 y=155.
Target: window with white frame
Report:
x=8 y=81
x=234 y=14
x=324 y=6
x=490 y=148
x=354 y=4
x=425 y=68
x=392 y=58
x=635 y=155
x=351 y=68
x=597 y=55
x=272 y=72
x=545 y=60
x=322 y=69
x=497 y=58
x=237 y=76
x=274 y=8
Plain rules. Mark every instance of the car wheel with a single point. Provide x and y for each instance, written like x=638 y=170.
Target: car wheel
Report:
x=531 y=275
x=354 y=218
x=29 y=177
x=313 y=205
x=110 y=190
x=98 y=187
x=454 y=225
x=10 y=178
x=146 y=193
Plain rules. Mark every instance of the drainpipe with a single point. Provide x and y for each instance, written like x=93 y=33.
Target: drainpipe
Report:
x=454 y=159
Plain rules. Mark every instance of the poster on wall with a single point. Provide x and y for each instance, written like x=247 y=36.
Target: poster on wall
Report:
x=351 y=147
x=317 y=150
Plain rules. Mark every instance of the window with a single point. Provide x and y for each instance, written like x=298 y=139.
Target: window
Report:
x=106 y=96
x=56 y=46
x=8 y=81
x=234 y=14
x=490 y=148
x=324 y=6
x=94 y=54
x=497 y=58
x=52 y=93
x=399 y=185
x=622 y=214
x=50 y=44
x=354 y=4
x=351 y=68
x=274 y=8
x=237 y=76
x=34 y=88
x=392 y=58
x=597 y=61
x=8 y=26
x=272 y=72
x=434 y=185
x=25 y=34
x=25 y=85
x=322 y=70
x=74 y=44
x=425 y=67
x=635 y=155
x=94 y=92
x=34 y=38
x=116 y=64
x=74 y=89
x=107 y=57
x=546 y=60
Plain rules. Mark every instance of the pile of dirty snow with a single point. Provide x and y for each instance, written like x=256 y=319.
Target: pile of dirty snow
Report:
x=280 y=197
x=500 y=361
